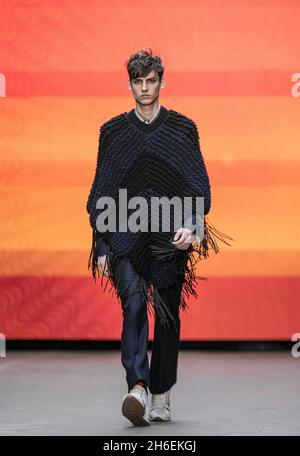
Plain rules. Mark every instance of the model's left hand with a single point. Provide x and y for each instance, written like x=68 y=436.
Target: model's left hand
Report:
x=183 y=238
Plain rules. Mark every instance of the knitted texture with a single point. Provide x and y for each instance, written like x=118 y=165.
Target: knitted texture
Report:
x=158 y=159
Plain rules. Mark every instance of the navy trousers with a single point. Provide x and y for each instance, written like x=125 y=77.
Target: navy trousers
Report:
x=162 y=373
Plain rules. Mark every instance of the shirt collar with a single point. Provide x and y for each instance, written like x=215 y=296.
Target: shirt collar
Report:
x=146 y=121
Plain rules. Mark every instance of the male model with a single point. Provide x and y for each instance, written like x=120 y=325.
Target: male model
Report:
x=149 y=151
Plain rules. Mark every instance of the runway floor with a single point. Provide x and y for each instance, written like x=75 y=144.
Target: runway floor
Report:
x=217 y=393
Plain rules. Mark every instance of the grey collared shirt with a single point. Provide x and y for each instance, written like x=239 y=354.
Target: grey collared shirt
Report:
x=146 y=120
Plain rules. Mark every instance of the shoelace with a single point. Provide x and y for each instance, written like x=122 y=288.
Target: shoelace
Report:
x=160 y=400
x=141 y=392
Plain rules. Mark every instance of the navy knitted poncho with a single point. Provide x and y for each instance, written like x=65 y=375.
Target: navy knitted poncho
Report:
x=162 y=158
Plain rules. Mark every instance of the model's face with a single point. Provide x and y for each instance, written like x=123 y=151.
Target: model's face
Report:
x=146 y=89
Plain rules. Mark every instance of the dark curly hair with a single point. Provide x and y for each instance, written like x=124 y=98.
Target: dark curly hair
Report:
x=142 y=62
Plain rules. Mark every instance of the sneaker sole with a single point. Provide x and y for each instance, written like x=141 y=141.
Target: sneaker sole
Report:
x=158 y=418
x=134 y=411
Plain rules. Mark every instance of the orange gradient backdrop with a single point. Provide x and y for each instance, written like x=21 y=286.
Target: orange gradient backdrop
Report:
x=229 y=66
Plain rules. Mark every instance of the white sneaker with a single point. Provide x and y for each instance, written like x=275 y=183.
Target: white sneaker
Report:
x=160 y=407
x=135 y=406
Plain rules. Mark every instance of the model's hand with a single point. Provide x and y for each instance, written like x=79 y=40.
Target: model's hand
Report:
x=101 y=264
x=183 y=238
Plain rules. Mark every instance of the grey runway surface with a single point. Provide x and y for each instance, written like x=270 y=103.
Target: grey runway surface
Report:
x=217 y=393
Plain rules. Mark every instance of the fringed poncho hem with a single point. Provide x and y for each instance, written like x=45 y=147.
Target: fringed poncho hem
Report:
x=187 y=271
